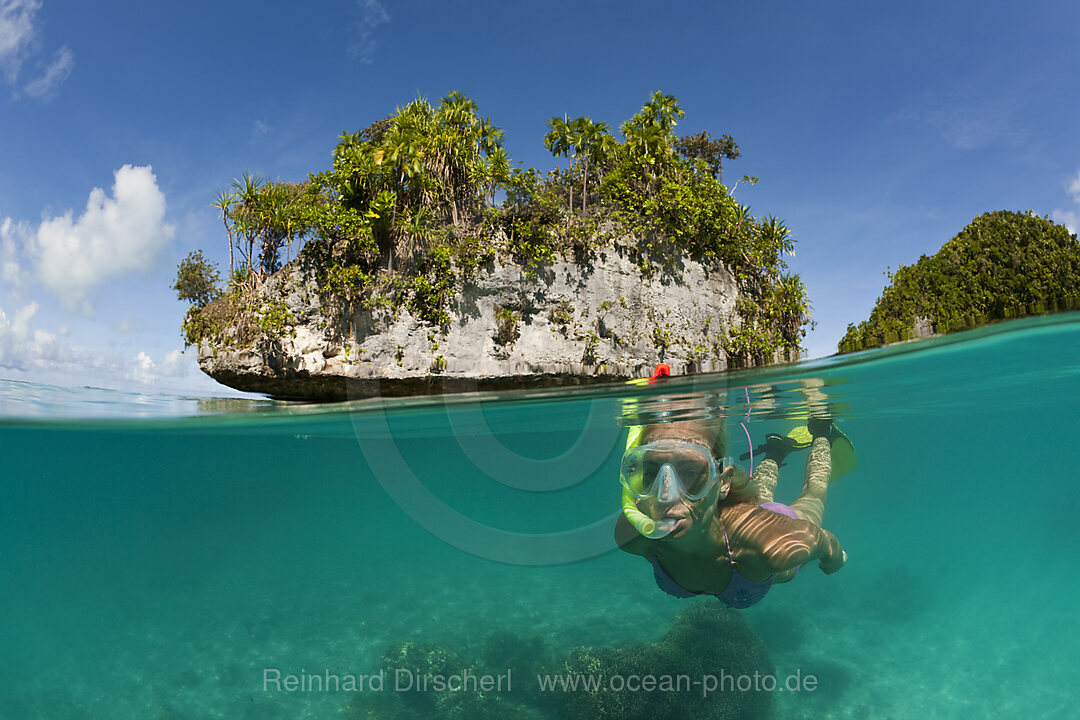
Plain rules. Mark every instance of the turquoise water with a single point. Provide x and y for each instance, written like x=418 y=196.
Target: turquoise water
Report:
x=158 y=555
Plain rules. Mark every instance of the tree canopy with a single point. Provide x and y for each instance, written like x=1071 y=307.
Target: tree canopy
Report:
x=408 y=209
x=1003 y=264
x=196 y=280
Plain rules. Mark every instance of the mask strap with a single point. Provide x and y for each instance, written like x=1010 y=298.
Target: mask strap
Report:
x=749 y=442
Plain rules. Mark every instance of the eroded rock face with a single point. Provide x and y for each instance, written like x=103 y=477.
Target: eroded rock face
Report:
x=574 y=324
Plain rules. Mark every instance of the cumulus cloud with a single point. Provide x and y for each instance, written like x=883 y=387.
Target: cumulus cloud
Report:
x=113 y=236
x=143 y=369
x=371 y=14
x=23 y=347
x=1071 y=218
x=18 y=48
x=34 y=352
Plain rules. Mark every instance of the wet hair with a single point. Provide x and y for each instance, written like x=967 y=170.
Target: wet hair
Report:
x=710 y=434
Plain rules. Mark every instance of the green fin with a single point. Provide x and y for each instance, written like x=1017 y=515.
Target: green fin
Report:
x=801 y=437
x=844 y=459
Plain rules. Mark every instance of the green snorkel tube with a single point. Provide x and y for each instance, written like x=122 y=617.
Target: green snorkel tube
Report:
x=642 y=522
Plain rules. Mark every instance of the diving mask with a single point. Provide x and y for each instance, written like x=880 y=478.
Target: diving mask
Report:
x=662 y=474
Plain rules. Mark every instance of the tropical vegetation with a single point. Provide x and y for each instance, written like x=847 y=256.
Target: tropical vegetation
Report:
x=416 y=203
x=1002 y=265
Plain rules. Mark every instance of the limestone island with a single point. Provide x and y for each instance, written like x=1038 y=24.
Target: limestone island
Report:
x=1003 y=265
x=423 y=262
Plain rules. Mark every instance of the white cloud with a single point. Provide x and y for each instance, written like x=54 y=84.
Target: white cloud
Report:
x=113 y=236
x=1071 y=218
x=18 y=45
x=34 y=352
x=371 y=15
x=44 y=87
x=12 y=237
x=25 y=348
x=16 y=32
x=144 y=370
x=259 y=130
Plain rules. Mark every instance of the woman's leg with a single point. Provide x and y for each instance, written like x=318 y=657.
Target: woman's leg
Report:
x=811 y=503
x=765 y=477
x=767 y=473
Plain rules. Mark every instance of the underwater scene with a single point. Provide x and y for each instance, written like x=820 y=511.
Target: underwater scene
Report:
x=454 y=557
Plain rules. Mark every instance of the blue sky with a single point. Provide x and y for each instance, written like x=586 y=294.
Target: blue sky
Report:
x=878 y=131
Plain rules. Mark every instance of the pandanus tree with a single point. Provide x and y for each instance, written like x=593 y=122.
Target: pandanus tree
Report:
x=245 y=213
x=422 y=165
x=490 y=172
x=776 y=239
x=222 y=204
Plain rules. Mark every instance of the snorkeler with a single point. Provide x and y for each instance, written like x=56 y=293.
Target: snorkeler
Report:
x=708 y=529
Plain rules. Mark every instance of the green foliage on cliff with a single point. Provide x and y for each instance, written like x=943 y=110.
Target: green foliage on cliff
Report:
x=1003 y=265
x=196 y=280
x=407 y=214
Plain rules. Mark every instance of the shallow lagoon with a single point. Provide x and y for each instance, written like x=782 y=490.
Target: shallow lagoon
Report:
x=158 y=555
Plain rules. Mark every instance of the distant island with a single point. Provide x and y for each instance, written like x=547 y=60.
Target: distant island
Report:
x=1002 y=265
x=424 y=253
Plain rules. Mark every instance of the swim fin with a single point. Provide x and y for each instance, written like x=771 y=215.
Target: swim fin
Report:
x=801 y=437
x=779 y=446
x=844 y=459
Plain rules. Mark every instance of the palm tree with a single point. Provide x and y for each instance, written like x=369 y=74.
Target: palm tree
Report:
x=646 y=142
x=664 y=111
x=559 y=141
x=595 y=144
x=649 y=135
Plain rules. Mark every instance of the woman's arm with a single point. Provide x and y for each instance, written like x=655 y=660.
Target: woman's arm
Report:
x=801 y=546
x=782 y=544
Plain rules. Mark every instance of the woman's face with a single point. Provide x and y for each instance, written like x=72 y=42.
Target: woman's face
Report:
x=692 y=516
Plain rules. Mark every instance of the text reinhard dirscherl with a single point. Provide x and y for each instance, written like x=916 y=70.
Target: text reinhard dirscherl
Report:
x=401 y=680
x=407 y=680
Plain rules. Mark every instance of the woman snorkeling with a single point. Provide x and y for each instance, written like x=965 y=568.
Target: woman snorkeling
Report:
x=710 y=528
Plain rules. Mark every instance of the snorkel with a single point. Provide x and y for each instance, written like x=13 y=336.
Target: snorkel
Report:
x=658 y=473
x=643 y=523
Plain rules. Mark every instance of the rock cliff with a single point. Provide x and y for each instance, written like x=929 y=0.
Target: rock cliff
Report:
x=570 y=323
